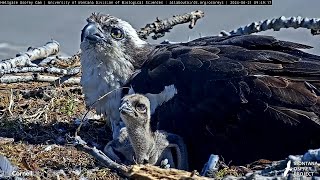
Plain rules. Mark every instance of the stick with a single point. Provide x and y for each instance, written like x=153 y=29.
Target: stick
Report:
x=99 y=155
x=24 y=59
x=61 y=61
x=276 y=24
x=91 y=106
x=160 y=27
x=47 y=61
x=71 y=71
x=4 y=140
x=153 y=173
x=11 y=103
x=36 y=92
x=39 y=78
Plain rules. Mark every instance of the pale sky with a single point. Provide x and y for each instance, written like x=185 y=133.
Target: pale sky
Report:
x=23 y=26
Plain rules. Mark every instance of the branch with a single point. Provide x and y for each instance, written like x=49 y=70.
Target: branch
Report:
x=10 y=103
x=54 y=70
x=39 y=78
x=4 y=140
x=47 y=61
x=51 y=48
x=160 y=27
x=276 y=24
x=46 y=92
x=153 y=172
x=99 y=155
x=62 y=61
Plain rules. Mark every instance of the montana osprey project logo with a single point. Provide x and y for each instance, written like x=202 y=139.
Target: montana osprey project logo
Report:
x=299 y=168
x=288 y=169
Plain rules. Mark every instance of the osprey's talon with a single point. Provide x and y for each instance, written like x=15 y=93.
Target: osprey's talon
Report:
x=120 y=149
x=110 y=152
x=165 y=164
x=210 y=167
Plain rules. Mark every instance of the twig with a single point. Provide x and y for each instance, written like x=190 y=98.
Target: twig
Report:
x=39 y=78
x=4 y=140
x=3 y=114
x=60 y=60
x=67 y=60
x=160 y=27
x=153 y=173
x=11 y=103
x=37 y=115
x=47 y=61
x=71 y=71
x=45 y=93
x=91 y=105
x=39 y=112
x=166 y=41
x=82 y=145
x=24 y=59
x=276 y=24
x=36 y=92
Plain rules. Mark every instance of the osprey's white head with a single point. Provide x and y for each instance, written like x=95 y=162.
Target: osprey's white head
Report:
x=110 y=50
x=110 y=36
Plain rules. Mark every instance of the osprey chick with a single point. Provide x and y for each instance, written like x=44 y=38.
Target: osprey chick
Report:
x=150 y=147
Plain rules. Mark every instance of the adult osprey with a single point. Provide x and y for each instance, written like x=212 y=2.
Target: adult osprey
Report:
x=241 y=97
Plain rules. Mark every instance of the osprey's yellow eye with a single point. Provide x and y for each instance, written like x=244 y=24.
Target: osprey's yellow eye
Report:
x=117 y=33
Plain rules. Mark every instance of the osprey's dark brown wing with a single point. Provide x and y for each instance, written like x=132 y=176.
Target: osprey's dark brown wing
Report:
x=242 y=97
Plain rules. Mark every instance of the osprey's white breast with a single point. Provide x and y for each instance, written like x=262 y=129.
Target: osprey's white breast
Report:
x=103 y=74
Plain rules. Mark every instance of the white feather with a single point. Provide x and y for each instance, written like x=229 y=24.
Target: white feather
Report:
x=131 y=91
x=100 y=75
x=130 y=31
x=157 y=100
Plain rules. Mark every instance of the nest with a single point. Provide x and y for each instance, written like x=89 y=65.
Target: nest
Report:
x=42 y=106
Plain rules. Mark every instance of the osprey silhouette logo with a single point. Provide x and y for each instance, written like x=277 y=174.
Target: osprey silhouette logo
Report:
x=288 y=169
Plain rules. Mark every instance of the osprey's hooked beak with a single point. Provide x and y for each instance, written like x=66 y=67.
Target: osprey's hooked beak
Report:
x=125 y=108
x=92 y=33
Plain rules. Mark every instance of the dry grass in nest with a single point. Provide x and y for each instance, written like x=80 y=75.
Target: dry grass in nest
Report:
x=42 y=120
x=53 y=161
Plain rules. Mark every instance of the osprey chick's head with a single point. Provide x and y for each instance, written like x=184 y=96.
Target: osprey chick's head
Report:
x=135 y=110
x=108 y=34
